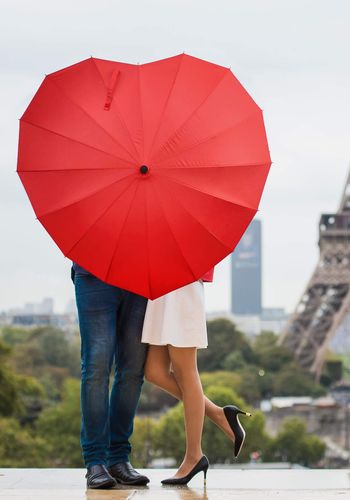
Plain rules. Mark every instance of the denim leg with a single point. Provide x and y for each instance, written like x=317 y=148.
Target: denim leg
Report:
x=97 y=304
x=130 y=359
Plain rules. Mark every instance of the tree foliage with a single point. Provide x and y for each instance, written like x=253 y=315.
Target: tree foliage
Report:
x=9 y=400
x=293 y=444
x=142 y=441
x=19 y=395
x=40 y=401
x=59 y=425
x=19 y=447
x=44 y=353
x=223 y=339
x=268 y=354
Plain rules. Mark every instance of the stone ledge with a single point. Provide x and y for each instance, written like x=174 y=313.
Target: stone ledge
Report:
x=222 y=484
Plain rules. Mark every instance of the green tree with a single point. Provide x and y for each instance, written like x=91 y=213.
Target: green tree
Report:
x=13 y=335
x=154 y=399
x=169 y=434
x=291 y=381
x=257 y=438
x=59 y=425
x=234 y=361
x=31 y=398
x=218 y=445
x=20 y=396
x=293 y=444
x=215 y=442
x=9 y=398
x=169 y=431
x=224 y=338
x=268 y=354
x=142 y=441
x=220 y=379
x=56 y=349
x=249 y=386
x=333 y=369
x=46 y=354
x=18 y=447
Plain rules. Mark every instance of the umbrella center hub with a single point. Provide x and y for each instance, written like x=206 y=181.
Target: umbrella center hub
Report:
x=144 y=169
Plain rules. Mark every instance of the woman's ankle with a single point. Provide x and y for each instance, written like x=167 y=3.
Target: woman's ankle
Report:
x=214 y=413
x=193 y=457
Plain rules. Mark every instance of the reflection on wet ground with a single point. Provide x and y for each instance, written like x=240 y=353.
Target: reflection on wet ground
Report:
x=222 y=484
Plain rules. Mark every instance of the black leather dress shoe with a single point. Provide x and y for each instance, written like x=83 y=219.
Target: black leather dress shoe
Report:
x=124 y=473
x=97 y=476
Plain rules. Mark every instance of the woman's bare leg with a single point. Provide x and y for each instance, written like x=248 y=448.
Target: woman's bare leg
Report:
x=184 y=364
x=157 y=371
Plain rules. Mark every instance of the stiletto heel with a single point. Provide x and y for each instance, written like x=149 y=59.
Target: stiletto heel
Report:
x=201 y=465
x=205 y=476
x=231 y=413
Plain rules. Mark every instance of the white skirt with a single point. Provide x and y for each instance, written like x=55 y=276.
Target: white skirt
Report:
x=177 y=318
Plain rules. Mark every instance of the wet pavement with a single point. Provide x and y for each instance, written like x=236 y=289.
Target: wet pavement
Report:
x=222 y=484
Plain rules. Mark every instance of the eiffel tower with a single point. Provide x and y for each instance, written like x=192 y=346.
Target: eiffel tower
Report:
x=326 y=300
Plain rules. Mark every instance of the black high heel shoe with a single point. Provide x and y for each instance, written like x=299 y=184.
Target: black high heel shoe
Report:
x=202 y=465
x=231 y=414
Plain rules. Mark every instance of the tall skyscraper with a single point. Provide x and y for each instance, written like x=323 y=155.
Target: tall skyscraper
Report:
x=246 y=272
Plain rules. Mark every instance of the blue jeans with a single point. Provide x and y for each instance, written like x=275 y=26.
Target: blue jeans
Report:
x=110 y=321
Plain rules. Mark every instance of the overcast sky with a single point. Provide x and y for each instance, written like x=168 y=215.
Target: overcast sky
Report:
x=291 y=55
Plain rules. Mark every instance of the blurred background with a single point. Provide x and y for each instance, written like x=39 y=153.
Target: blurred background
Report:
x=278 y=309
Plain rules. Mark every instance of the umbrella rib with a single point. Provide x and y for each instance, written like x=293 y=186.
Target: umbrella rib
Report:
x=75 y=140
x=211 y=137
x=72 y=169
x=116 y=108
x=166 y=103
x=181 y=183
x=147 y=245
x=141 y=112
x=84 y=197
x=194 y=111
x=100 y=216
x=120 y=233
x=173 y=234
x=198 y=164
x=201 y=224
x=92 y=119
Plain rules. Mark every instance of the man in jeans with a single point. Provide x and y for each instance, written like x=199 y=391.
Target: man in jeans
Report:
x=110 y=321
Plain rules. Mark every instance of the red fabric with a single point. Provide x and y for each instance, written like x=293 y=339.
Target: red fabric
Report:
x=208 y=276
x=89 y=129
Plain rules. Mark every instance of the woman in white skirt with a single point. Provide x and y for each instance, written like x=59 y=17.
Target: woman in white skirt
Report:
x=175 y=327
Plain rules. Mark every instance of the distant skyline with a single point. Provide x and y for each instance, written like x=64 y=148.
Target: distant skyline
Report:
x=246 y=273
x=291 y=56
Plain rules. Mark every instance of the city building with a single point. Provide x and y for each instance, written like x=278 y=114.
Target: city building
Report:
x=246 y=280
x=39 y=314
x=46 y=307
x=273 y=319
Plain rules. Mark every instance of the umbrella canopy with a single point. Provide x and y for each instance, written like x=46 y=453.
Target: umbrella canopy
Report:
x=146 y=175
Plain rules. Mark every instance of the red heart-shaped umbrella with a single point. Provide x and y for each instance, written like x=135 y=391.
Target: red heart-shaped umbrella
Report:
x=145 y=175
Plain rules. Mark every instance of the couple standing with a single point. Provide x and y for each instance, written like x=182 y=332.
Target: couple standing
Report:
x=157 y=339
